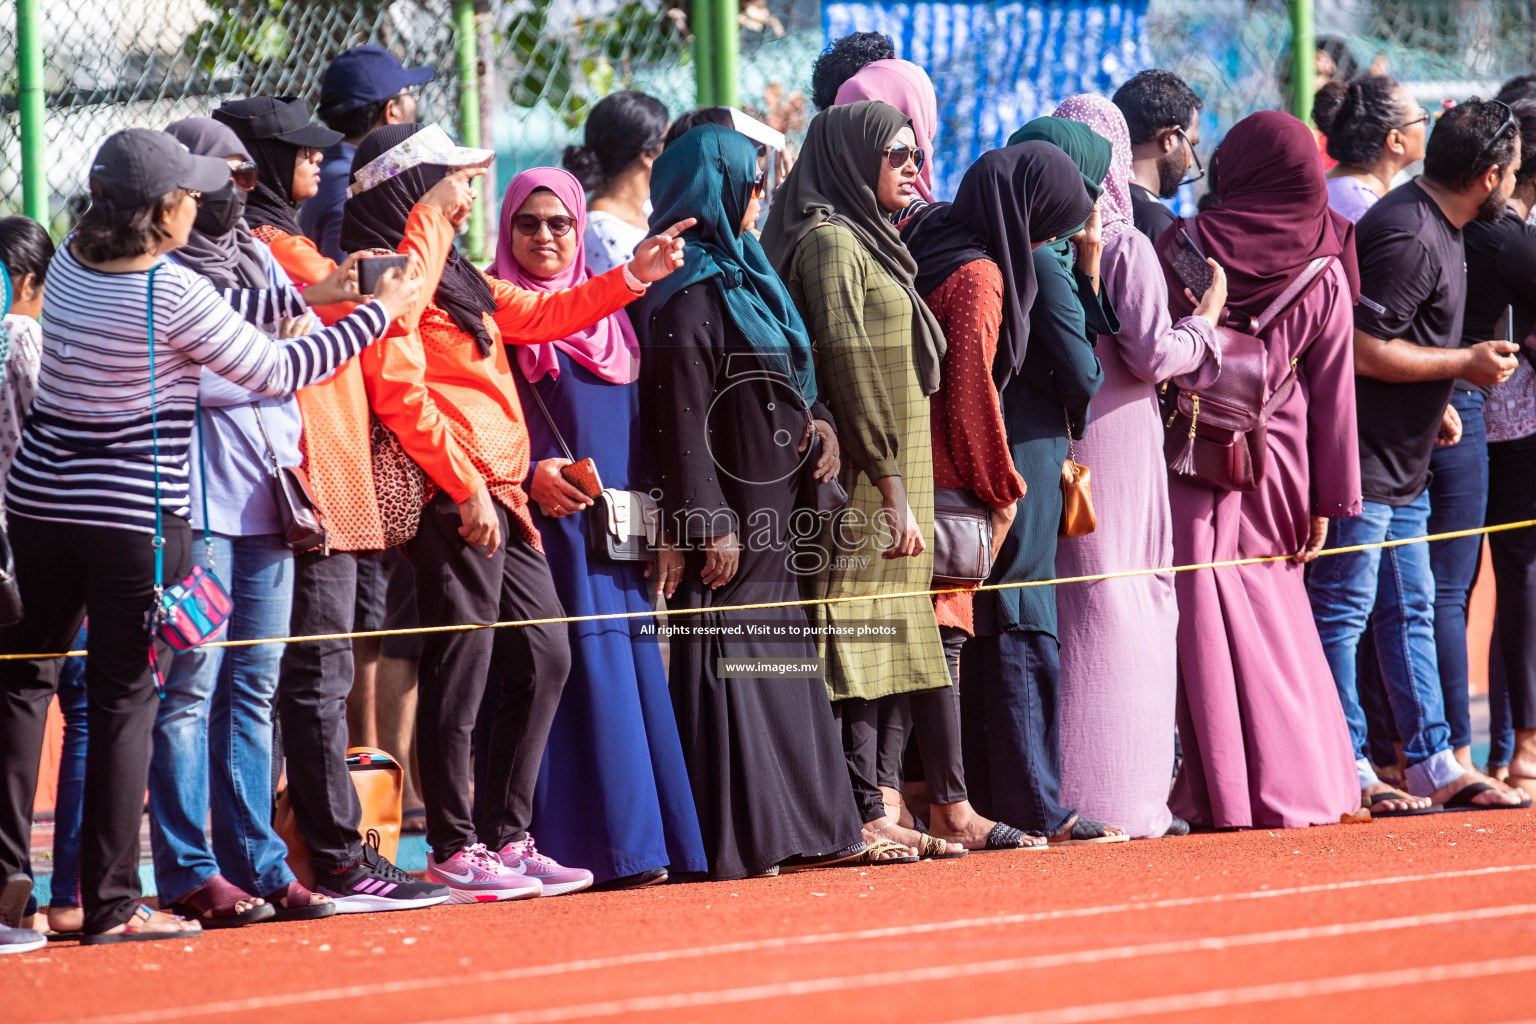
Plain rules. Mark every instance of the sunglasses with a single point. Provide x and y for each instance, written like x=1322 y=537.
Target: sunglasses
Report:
x=244 y=176
x=528 y=224
x=1510 y=124
x=760 y=185
x=898 y=155
x=1199 y=171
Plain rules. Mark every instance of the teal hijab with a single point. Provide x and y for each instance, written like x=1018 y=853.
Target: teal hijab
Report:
x=1088 y=149
x=708 y=174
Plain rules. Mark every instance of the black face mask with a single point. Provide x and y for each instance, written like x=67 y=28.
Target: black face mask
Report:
x=219 y=211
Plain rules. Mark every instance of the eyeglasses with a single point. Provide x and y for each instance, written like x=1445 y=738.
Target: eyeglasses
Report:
x=760 y=185
x=528 y=224
x=898 y=155
x=1190 y=179
x=1423 y=118
x=244 y=176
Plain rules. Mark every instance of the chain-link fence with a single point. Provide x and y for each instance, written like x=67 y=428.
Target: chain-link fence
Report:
x=543 y=63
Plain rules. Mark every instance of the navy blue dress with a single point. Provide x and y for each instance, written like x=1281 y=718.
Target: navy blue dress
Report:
x=613 y=793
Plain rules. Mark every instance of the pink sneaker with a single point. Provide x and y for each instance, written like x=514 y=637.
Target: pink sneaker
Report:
x=476 y=875
x=557 y=880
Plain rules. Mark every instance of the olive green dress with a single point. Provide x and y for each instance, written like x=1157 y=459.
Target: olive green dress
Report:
x=861 y=321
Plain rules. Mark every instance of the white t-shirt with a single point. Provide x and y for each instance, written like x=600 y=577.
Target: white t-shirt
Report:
x=610 y=241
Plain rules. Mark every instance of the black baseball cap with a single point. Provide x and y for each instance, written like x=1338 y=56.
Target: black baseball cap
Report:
x=364 y=75
x=283 y=118
x=138 y=166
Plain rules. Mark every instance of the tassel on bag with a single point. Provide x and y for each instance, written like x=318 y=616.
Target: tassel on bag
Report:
x=1184 y=465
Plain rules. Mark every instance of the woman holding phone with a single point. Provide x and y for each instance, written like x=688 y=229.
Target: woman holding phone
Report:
x=613 y=791
x=1118 y=671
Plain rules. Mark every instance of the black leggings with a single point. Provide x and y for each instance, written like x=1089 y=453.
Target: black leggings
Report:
x=67 y=571
x=459 y=584
x=1512 y=499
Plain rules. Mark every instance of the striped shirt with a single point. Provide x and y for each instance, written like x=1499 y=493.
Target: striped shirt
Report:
x=87 y=453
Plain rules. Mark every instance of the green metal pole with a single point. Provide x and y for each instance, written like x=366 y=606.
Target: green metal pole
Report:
x=1303 y=54
x=34 y=140
x=727 y=51
x=701 y=19
x=469 y=109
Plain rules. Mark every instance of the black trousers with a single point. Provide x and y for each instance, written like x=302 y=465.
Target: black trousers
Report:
x=458 y=584
x=930 y=720
x=1512 y=499
x=67 y=571
x=859 y=721
x=312 y=709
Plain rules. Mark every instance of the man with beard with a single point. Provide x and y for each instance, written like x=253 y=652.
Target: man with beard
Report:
x=1163 y=115
x=1409 y=351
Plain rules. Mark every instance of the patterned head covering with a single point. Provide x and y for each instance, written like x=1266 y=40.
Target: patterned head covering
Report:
x=908 y=88
x=1106 y=120
x=607 y=348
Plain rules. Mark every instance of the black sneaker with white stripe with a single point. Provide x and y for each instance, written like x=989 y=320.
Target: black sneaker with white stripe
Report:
x=374 y=884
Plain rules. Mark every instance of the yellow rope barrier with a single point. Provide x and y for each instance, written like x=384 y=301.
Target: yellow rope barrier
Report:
x=768 y=605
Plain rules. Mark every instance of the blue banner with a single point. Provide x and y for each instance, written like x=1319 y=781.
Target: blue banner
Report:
x=998 y=65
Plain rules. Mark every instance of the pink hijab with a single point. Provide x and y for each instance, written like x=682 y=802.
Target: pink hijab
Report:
x=1106 y=120
x=607 y=348
x=908 y=88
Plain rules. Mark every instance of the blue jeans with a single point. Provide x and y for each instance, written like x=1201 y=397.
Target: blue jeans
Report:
x=213 y=735
x=1010 y=693
x=1458 y=500
x=1398 y=585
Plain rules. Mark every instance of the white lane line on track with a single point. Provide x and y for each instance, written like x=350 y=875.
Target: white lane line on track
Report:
x=947 y=972
x=364 y=991
x=1274 y=993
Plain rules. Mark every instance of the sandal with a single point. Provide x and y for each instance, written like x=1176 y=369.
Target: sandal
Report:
x=293 y=902
x=213 y=905
x=1087 y=832
x=847 y=855
x=1176 y=828
x=1462 y=800
x=1006 y=837
x=872 y=852
x=1397 y=794
x=933 y=848
x=134 y=930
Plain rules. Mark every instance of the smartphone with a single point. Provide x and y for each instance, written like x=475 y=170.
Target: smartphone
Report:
x=371 y=268
x=583 y=476
x=1189 y=263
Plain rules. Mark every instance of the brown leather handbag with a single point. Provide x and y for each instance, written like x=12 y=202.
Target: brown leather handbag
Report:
x=962 y=538
x=1077 y=515
x=379 y=781
x=1218 y=436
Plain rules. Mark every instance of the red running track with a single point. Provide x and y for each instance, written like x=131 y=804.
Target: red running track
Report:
x=1429 y=918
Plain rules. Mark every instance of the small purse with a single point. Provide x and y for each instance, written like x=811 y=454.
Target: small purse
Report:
x=962 y=538
x=621 y=525
x=399 y=484
x=190 y=613
x=1077 y=515
x=303 y=525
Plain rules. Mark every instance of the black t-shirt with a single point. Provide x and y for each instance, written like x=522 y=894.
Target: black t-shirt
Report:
x=1149 y=215
x=1413 y=286
x=1501 y=272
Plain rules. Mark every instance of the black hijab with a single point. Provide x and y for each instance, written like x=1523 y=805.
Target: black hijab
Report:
x=220 y=246
x=834 y=182
x=1010 y=199
x=270 y=203
x=375 y=219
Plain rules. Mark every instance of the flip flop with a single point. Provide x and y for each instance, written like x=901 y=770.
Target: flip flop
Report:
x=1087 y=832
x=213 y=905
x=131 y=931
x=1462 y=800
x=13 y=899
x=1398 y=794
x=292 y=903
x=1006 y=837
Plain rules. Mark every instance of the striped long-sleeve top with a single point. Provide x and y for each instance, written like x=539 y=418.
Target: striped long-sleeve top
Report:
x=88 y=453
